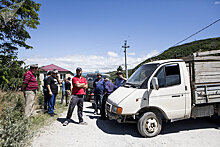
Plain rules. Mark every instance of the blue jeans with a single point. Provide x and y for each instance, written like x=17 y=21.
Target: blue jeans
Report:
x=51 y=103
x=98 y=101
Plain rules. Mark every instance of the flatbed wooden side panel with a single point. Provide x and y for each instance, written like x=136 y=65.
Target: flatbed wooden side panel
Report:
x=204 y=72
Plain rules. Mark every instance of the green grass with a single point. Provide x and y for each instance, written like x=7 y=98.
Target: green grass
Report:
x=40 y=120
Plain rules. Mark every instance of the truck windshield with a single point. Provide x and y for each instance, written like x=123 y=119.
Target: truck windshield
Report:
x=141 y=74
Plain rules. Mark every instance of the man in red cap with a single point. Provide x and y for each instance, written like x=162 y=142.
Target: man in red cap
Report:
x=78 y=94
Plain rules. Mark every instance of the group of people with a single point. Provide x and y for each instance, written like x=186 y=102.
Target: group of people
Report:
x=102 y=89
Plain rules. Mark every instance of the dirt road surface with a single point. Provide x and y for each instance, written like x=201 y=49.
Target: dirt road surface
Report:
x=106 y=133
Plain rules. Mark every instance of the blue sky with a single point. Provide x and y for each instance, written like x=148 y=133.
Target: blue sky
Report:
x=90 y=33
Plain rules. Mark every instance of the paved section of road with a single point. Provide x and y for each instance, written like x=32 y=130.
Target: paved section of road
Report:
x=106 y=133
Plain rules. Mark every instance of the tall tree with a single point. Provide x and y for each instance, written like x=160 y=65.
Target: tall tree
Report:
x=16 y=17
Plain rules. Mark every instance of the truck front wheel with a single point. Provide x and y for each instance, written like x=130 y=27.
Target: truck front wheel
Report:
x=149 y=125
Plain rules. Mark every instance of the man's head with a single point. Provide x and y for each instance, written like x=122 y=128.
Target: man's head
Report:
x=106 y=79
x=54 y=73
x=68 y=78
x=99 y=75
x=78 y=71
x=33 y=67
x=49 y=73
x=120 y=74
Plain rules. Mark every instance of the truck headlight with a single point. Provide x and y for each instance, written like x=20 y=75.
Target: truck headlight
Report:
x=116 y=109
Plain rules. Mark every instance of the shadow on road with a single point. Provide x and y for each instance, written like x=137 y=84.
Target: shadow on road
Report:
x=191 y=124
x=113 y=127
x=62 y=120
x=88 y=112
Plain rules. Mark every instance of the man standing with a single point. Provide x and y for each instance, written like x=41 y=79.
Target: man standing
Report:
x=67 y=90
x=52 y=85
x=98 y=91
x=63 y=90
x=46 y=91
x=120 y=80
x=109 y=88
x=30 y=87
x=78 y=94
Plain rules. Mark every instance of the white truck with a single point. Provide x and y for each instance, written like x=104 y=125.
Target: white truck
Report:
x=168 y=90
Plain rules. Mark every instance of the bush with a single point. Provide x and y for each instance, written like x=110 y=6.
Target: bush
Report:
x=13 y=125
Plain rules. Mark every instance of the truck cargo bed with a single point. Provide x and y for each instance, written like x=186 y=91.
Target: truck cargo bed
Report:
x=204 y=73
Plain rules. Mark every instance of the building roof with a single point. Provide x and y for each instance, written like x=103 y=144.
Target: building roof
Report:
x=52 y=67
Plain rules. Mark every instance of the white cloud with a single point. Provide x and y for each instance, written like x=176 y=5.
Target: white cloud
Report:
x=90 y=63
x=132 y=54
x=112 y=54
x=217 y=2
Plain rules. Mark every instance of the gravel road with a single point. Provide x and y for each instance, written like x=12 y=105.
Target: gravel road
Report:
x=106 y=133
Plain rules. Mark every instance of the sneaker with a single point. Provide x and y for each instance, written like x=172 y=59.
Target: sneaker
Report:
x=52 y=115
x=95 y=113
x=83 y=123
x=66 y=123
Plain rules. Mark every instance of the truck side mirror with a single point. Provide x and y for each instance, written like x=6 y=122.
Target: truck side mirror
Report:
x=155 y=83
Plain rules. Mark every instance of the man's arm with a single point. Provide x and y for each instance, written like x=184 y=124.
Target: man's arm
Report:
x=23 y=86
x=49 y=89
x=48 y=86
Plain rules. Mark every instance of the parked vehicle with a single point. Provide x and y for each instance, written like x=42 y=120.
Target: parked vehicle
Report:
x=90 y=91
x=170 y=90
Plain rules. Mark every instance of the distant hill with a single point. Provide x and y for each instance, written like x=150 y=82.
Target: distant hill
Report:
x=185 y=50
x=179 y=52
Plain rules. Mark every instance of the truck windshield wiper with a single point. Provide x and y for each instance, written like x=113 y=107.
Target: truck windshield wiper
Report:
x=130 y=85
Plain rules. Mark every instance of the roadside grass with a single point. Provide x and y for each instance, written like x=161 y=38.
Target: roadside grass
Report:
x=40 y=120
x=15 y=129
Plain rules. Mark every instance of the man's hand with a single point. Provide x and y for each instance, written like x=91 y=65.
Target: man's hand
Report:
x=50 y=93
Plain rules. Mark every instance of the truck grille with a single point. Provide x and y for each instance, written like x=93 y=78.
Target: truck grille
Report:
x=108 y=107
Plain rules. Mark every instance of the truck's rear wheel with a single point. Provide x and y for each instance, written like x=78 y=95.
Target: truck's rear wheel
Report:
x=149 y=125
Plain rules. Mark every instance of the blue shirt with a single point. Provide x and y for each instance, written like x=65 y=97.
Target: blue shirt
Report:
x=99 y=86
x=119 y=82
x=63 y=86
x=109 y=87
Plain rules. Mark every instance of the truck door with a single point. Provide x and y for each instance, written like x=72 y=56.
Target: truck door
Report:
x=170 y=96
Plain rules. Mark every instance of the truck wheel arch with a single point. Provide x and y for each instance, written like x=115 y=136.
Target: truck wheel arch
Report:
x=159 y=112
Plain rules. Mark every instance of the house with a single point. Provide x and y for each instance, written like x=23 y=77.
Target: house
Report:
x=62 y=73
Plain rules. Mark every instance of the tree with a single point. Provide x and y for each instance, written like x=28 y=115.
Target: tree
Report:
x=16 y=16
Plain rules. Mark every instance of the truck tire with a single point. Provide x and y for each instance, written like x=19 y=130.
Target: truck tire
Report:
x=149 y=125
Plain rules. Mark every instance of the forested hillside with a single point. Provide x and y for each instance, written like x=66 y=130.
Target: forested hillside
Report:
x=185 y=50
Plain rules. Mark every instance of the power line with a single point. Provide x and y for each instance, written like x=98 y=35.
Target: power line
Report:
x=196 y=32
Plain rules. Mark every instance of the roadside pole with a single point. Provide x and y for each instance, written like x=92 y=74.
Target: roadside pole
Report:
x=125 y=51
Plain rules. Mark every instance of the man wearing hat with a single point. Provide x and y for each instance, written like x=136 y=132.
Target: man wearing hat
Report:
x=78 y=93
x=98 y=85
x=120 y=80
x=52 y=85
x=29 y=87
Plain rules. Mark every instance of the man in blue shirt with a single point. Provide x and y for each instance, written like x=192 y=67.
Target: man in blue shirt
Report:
x=98 y=91
x=120 y=80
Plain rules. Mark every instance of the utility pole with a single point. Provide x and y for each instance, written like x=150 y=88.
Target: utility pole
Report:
x=125 y=51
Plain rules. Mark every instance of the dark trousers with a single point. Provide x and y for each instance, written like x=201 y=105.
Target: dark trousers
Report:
x=46 y=99
x=98 y=101
x=76 y=100
x=103 y=113
x=63 y=94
